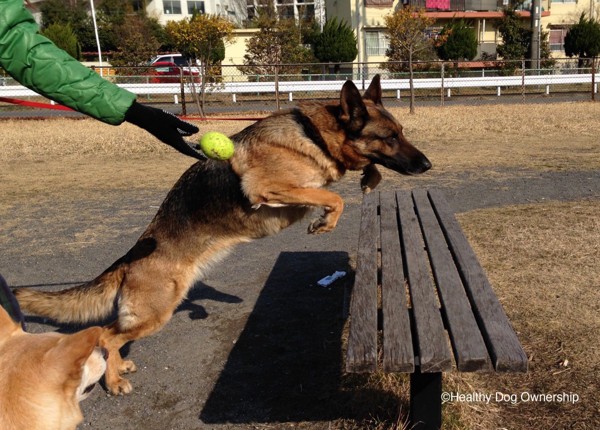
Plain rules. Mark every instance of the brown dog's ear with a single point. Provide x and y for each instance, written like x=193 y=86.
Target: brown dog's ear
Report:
x=373 y=93
x=354 y=112
x=73 y=350
x=7 y=324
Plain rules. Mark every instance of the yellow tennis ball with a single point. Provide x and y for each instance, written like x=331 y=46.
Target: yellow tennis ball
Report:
x=216 y=145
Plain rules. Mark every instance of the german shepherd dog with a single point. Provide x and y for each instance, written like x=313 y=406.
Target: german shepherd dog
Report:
x=274 y=179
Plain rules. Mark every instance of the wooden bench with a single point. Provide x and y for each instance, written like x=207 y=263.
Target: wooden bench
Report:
x=419 y=284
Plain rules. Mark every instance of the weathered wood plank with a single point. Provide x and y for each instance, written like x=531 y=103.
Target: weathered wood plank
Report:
x=398 y=354
x=502 y=342
x=434 y=355
x=469 y=348
x=361 y=355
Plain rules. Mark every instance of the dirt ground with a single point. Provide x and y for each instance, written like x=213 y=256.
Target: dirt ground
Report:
x=257 y=344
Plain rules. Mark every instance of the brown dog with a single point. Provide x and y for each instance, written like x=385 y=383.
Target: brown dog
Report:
x=43 y=377
x=274 y=179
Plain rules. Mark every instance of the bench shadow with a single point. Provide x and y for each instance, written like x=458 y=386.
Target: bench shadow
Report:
x=287 y=363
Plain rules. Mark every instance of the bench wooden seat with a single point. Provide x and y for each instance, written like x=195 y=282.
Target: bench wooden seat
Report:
x=419 y=283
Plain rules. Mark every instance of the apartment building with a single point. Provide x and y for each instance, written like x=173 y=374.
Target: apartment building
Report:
x=175 y=10
x=366 y=17
x=563 y=13
x=239 y=12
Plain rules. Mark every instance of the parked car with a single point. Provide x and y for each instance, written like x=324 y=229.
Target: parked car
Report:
x=168 y=72
x=178 y=59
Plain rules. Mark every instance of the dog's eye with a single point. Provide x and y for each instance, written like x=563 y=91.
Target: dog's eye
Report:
x=391 y=140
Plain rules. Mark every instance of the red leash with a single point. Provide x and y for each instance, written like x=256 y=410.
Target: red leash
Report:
x=200 y=118
x=61 y=107
x=34 y=104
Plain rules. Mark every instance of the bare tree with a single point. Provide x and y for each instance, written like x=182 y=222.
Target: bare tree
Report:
x=406 y=31
x=202 y=38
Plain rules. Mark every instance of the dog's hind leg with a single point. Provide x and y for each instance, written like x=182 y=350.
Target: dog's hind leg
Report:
x=152 y=289
x=140 y=314
x=115 y=337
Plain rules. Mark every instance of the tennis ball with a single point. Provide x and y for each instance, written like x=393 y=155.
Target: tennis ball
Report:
x=216 y=145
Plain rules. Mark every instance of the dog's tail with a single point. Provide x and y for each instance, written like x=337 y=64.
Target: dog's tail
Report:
x=85 y=303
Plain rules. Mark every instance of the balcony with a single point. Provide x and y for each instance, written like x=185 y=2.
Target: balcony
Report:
x=474 y=9
x=458 y=5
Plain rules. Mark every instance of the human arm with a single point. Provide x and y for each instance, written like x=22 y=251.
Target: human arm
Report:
x=35 y=62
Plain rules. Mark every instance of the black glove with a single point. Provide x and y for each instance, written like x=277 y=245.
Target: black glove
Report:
x=165 y=126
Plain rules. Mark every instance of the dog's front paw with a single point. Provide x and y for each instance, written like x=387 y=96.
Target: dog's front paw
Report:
x=370 y=179
x=127 y=366
x=320 y=225
x=119 y=387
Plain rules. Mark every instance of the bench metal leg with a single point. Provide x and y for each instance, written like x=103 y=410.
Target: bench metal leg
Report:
x=425 y=400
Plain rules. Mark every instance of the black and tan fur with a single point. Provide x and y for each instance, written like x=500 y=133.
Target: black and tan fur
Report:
x=274 y=179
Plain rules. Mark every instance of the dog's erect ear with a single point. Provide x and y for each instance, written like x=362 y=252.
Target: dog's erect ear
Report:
x=73 y=350
x=354 y=112
x=9 y=302
x=373 y=93
x=7 y=324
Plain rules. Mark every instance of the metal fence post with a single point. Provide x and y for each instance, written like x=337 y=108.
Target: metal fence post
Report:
x=442 y=86
x=523 y=80
x=593 y=79
x=277 y=86
x=364 y=74
x=183 y=107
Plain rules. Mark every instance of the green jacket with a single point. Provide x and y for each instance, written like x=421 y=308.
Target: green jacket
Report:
x=38 y=64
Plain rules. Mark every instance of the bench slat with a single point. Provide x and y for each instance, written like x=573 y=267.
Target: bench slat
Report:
x=503 y=345
x=469 y=347
x=362 y=339
x=434 y=355
x=398 y=354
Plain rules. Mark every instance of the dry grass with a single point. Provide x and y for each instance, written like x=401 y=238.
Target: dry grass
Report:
x=543 y=261
x=483 y=140
x=493 y=136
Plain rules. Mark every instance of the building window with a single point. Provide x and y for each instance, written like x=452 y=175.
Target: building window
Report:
x=557 y=39
x=195 y=7
x=379 y=3
x=171 y=7
x=377 y=43
x=287 y=9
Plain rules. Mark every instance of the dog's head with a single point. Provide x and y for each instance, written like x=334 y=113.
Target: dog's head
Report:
x=373 y=135
x=46 y=375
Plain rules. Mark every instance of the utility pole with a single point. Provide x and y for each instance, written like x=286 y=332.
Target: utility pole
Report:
x=97 y=37
x=536 y=24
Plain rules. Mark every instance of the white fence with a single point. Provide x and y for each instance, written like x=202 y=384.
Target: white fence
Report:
x=398 y=85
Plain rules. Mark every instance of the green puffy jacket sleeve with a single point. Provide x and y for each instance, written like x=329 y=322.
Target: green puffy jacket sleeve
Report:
x=38 y=64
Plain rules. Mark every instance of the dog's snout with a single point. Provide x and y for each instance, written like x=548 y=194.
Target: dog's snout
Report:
x=425 y=164
x=419 y=164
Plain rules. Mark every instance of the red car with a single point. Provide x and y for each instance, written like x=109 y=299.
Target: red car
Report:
x=167 y=72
